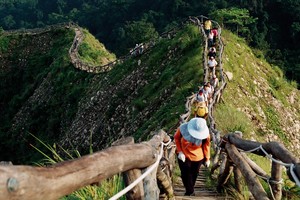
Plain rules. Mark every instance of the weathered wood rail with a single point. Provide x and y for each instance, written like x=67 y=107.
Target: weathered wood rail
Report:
x=28 y=182
x=236 y=161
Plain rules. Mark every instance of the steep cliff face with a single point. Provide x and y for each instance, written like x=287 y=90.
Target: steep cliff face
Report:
x=270 y=102
x=39 y=91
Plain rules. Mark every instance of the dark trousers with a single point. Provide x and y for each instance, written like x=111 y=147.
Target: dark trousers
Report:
x=189 y=172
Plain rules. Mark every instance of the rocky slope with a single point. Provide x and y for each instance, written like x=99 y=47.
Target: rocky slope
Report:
x=270 y=103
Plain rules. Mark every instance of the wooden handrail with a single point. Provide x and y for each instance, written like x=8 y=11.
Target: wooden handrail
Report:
x=53 y=182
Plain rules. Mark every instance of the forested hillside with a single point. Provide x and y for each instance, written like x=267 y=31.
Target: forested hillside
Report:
x=271 y=26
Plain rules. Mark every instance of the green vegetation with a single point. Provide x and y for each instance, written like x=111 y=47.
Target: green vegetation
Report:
x=177 y=79
x=101 y=190
x=120 y=24
x=53 y=93
x=254 y=84
x=93 y=52
x=234 y=19
x=255 y=98
x=47 y=64
x=230 y=119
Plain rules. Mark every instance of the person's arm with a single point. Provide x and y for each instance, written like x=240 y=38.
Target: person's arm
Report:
x=177 y=139
x=206 y=148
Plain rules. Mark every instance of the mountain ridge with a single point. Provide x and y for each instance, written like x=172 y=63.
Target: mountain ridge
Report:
x=134 y=98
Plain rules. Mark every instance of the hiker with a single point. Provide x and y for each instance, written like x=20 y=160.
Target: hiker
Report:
x=201 y=110
x=214 y=81
x=213 y=48
x=212 y=52
x=211 y=89
x=207 y=26
x=207 y=92
x=201 y=97
x=192 y=141
x=215 y=34
x=210 y=39
x=212 y=63
x=75 y=43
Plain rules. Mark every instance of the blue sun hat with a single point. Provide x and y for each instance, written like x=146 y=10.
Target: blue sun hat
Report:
x=195 y=130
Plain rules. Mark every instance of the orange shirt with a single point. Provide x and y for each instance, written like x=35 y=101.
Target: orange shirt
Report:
x=190 y=150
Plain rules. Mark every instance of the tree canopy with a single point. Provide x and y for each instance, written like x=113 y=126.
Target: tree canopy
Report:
x=271 y=26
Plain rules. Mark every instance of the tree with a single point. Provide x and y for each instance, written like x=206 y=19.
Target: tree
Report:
x=9 y=21
x=235 y=19
x=139 y=31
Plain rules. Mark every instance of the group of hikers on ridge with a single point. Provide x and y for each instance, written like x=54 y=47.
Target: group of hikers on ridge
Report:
x=192 y=138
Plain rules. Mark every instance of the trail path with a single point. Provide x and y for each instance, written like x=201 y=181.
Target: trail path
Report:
x=201 y=191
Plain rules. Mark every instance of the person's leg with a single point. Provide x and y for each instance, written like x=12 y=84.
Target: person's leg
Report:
x=186 y=176
x=195 y=166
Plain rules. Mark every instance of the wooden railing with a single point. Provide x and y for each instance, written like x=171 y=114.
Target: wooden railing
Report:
x=235 y=161
x=55 y=181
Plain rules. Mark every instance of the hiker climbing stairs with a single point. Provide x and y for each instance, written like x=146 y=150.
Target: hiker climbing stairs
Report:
x=201 y=190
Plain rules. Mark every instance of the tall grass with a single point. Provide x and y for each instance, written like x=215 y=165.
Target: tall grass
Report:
x=229 y=119
x=98 y=191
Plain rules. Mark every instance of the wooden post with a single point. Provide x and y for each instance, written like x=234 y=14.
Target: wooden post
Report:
x=164 y=181
x=215 y=162
x=237 y=179
x=131 y=175
x=223 y=178
x=277 y=150
x=223 y=162
x=258 y=170
x=276 y=176
x=35 y=183
x=150 y=185
x=253 y=183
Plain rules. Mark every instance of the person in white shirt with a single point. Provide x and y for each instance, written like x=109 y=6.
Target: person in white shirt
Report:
x=214 y=81
x=201 y=97
x=210 y=39
x=212 y=63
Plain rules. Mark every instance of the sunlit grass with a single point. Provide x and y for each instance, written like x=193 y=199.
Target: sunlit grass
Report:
x=98 y=191
x=94 y=52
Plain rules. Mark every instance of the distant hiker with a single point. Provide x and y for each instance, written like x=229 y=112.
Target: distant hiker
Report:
x=201 y=97
x=210 y=89
x=192 y=141
x=200 y=110
x=212 y=52
x=214 y=81
x=213 y=48
x=76 y=43
x=135 y=50
x=210 y=39
x=141 y=48
x=212 y=63
x=207 y=26
x=215 y=34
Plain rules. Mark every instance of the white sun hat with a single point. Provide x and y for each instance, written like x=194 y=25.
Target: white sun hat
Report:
x=197 y=128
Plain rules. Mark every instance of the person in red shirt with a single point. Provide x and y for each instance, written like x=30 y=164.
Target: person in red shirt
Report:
x=215 y=34
x=192 y=141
